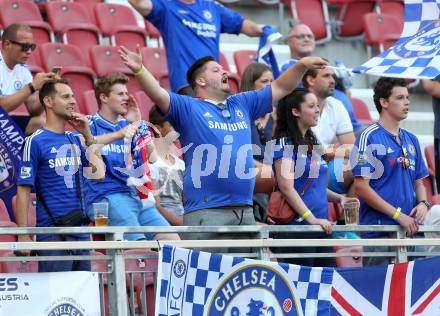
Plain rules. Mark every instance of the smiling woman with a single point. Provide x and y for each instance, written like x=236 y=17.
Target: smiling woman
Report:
x=301 y=171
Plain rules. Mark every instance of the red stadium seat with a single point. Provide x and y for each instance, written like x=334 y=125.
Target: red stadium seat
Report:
x=106 y=60
x=381 y=30
x=74 y=23
x=144 y=268
x=395 y=8
x=349 y=15
x=349 y=262
x=90 y=6
x=34 y=62
x=430 y=159
x=126 y=31
x=361 y=112
x=152 y=32
x=145 y=104
x=89 y=105
x=26 y=12
x=32 y=213
x=4 y=215
x=72 y=61
x=155 y=60
x=233 y=79
x=242 y=58
x=313 y=13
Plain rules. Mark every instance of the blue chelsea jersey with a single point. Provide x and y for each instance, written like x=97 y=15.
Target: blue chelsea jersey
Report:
x=114 y=156
x=310 y=177
x=217 y=150
x=190 y=32
x=392 y=168
x=49 y=165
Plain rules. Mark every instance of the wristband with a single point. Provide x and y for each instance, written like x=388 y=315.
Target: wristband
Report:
x=397 y=213
x=427 y=204
x=92 y=142
x=304 y=216
x=140 y=71
x=31 y=87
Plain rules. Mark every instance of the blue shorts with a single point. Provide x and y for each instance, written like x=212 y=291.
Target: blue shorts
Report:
x=335 y=168
x=125 y=209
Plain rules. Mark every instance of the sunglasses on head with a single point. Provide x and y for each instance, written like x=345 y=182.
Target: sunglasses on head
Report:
x=25 y=46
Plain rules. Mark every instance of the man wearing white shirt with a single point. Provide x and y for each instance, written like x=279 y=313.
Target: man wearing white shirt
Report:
x=334 y=124
x=16 y=83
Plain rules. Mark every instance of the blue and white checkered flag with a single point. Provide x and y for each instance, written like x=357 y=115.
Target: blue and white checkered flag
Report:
x=265 y=53
x=204 y=284
x=417 y=52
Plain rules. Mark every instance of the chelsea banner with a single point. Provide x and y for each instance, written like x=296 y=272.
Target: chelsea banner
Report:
x=203 y=284
x=49 y=294
x=11 y=142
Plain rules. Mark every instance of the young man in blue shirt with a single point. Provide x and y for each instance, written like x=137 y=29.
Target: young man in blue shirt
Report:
x=116 y=111
x=190 y=30
x=390 y=168
x=215 y=132
x=51 y=159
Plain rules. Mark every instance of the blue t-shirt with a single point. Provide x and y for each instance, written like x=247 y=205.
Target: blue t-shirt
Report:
x=46 y=155
x=380 y=158
x=114 y=156
x=190 y=32
x=337 y=94
x=310 y=177
x=218 y=157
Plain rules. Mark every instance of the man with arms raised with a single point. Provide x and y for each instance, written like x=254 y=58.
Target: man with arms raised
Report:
x=215 y=130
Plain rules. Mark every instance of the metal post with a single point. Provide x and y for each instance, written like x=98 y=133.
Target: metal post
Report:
x=117 y=289
x=401 y=251
x=263 y=252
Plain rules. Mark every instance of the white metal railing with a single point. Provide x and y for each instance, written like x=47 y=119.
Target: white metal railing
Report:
x=121 y=304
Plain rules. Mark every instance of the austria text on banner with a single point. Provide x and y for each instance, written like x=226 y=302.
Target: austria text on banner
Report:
x=51 y=294
x=199 y=283
x=417 y=52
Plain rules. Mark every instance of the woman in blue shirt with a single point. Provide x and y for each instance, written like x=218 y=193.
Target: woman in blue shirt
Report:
x=301 y=172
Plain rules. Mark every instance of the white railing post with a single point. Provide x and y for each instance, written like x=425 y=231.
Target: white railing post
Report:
x=117 y=288
x=401 y=251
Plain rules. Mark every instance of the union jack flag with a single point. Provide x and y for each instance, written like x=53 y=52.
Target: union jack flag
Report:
x=410 y=288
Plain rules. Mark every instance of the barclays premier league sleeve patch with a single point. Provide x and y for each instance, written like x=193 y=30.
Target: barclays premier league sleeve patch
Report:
x=25 y=172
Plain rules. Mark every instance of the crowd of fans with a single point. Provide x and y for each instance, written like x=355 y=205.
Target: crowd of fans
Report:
x=301 y=125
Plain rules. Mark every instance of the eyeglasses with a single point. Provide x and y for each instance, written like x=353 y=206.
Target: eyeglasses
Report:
x=225 y=112
x=25 y=46
x=303 y=36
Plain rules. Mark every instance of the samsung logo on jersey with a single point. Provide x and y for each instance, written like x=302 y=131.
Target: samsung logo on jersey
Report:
x=114 y=148
x=231 y=127
x=64 y=161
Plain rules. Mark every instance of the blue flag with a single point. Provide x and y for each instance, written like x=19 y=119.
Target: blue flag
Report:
x=417 y=52
x=200 y=283
x=11 y=143
x=265 y=53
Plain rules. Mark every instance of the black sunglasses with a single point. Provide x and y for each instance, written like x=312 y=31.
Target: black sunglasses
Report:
x=25 y=46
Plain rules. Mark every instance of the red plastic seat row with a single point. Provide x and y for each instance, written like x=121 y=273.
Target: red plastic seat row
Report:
x=80 y=23
x=103 y=60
